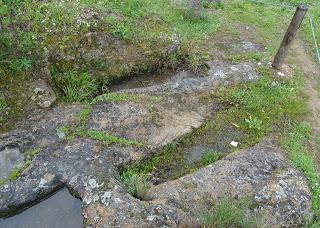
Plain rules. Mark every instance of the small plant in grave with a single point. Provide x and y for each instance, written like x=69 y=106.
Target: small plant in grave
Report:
x=253 y=123
x=136 y=184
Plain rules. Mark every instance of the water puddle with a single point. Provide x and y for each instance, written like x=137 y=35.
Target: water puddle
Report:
x=221 y=144
x=198 y=149
x=60 y=210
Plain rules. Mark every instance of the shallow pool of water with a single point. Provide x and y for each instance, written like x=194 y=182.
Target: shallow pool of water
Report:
x=61 y=210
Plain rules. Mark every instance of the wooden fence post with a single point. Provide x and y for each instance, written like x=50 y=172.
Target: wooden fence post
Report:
x=289 y=36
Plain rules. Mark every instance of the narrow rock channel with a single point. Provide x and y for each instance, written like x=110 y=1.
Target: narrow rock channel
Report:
x=86 y=148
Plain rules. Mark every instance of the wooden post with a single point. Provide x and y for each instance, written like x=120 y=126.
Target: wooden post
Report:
x=289 y=36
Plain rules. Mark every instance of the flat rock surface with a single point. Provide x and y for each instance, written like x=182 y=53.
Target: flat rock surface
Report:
x=90 y=168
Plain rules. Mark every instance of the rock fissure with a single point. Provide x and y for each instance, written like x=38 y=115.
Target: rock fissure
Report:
x=89 y=168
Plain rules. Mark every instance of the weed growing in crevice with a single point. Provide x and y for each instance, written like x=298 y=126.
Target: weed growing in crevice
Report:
x=136 y=184
x=32 y=153
x=75 y=86
x=84 y=116
x=106 y=138
x=263 y=104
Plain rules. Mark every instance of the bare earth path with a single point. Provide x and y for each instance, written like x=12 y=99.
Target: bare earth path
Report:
x=312 y=75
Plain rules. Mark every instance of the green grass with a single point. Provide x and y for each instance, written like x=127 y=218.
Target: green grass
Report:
x=237 y=58
x=106 y=138
x=267 y=23
x=75 y=86
x=125 y=97
x=137 y=185
x=84 y=116
x=229 y=213
x=296 y=146
x=34 y=31
x=210 y=157
x=263 y=104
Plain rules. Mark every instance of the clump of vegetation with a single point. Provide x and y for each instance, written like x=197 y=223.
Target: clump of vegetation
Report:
x=210 y=157
x=229 y=213
x=84 y=116
x=106 y=138
x=75 y=86
x=136 y=184
x=253 y=123
x=16 y=40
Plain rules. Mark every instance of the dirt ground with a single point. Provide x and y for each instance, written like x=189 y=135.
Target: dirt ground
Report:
x=311 y=69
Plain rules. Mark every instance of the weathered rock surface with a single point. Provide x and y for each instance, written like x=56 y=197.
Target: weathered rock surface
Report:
x=90 y=168
x=261 y=173
x=43 y=95
x=9 y=159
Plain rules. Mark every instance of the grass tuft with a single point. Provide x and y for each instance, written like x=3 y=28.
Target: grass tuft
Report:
x=210 y=157
x=75 y=86
x=106 y=138
x=229 y=213
x=137 y=185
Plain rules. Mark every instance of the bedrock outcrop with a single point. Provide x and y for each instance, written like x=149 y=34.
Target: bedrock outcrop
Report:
x=153 y=116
